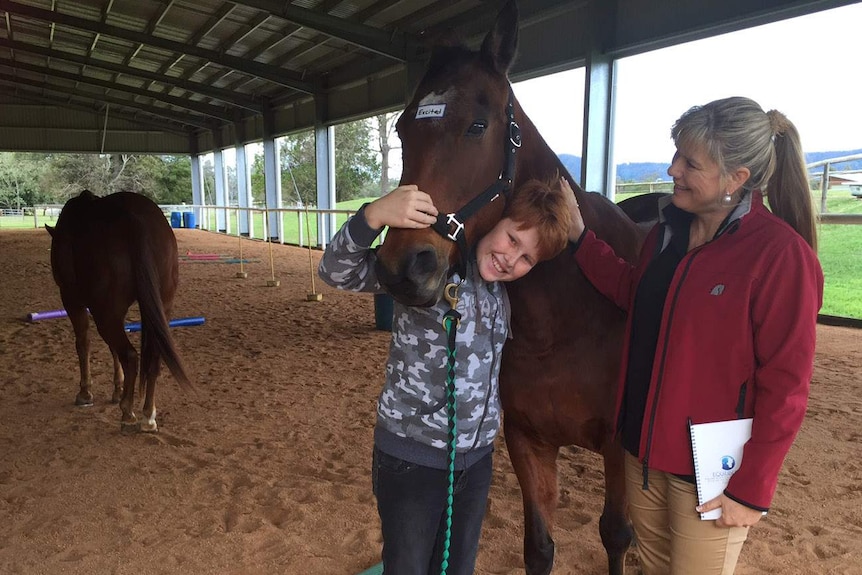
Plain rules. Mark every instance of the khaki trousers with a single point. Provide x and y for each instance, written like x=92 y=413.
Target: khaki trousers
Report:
x=671 y=537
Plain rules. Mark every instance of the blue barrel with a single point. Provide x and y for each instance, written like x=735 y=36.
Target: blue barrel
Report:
x=189 y=219
x=383 y=306
x=176 y=219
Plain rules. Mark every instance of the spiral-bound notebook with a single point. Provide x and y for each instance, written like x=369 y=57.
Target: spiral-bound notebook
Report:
x=717 y=450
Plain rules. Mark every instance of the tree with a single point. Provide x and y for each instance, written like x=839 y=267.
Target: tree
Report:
x=175 y=181
x=298 y=175
x=208 y=182
x=385 y=131
x=19 y=180
x=105 y=174
x=356 y=165
x=258 y=182
x=71 y=173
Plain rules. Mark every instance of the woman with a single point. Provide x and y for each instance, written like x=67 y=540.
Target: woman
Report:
x=722 y=308
x=410 y=462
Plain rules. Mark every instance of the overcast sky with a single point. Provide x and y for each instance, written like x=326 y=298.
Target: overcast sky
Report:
x=807 y=67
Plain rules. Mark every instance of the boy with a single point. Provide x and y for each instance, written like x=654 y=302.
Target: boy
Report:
x=410 y=460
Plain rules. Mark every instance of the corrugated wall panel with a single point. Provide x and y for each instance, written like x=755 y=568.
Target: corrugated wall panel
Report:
x=32 y=127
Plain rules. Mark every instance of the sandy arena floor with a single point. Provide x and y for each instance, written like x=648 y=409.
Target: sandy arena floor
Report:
x=265 y=469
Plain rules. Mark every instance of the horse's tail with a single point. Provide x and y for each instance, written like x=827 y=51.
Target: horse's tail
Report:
x=156 y=337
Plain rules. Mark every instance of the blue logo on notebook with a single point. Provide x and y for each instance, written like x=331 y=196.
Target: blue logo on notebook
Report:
x=728 y=463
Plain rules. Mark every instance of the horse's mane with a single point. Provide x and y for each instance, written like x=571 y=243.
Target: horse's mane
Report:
x=446 y=60
x=446 y=55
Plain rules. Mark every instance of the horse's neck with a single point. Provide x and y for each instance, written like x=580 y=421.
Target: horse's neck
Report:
x=536 y=159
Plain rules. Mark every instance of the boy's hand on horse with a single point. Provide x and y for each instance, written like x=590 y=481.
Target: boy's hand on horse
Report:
x=576 y=228
x=404 y=207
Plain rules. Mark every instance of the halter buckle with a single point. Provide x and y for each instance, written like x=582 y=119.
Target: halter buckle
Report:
x=515 y=134
x=459 y=227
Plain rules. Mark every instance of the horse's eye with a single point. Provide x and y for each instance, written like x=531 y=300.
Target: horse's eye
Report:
x=477 y=128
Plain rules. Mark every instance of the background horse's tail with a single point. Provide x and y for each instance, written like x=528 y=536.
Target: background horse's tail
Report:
x=156 y=340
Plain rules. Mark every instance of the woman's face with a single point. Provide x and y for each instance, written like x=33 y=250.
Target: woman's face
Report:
x=506 y=253
x=697 y=183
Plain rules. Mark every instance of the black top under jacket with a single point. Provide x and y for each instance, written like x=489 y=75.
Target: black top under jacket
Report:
x=646 y=322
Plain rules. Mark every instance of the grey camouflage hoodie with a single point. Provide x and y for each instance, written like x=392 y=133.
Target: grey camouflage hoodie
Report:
x=412 y=421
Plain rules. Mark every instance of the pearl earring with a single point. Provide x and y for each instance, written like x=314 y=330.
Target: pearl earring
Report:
x=727 y=199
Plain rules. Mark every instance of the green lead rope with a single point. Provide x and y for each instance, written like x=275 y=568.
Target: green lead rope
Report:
x=451 y=319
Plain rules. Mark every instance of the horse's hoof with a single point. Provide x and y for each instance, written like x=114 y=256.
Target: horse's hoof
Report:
x=149 y=427
x=84 y=401
x=129 y=427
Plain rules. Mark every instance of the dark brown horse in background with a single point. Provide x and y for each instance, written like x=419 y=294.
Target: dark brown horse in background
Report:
x=559 y=376
x=107 y=253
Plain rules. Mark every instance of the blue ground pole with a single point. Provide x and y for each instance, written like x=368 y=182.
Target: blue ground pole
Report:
x=375 y=570
x=181 y=322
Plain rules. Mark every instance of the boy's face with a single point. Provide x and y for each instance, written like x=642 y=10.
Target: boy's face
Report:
x=506 y=253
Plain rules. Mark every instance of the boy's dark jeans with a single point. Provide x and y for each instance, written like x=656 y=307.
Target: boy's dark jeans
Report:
x=411 y=501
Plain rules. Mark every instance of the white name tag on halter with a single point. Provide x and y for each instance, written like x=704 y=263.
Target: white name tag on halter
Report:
x=430 y=111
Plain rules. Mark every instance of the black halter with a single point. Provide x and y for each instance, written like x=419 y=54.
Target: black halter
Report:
x=451 y=225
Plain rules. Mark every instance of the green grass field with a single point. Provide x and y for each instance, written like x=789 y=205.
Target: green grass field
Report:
x=840 y=248
x=840 y=253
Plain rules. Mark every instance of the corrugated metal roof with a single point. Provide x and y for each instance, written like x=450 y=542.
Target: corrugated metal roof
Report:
x=209 y=68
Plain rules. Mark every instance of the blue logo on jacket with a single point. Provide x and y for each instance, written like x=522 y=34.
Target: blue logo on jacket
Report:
x=717 y=290
x=728 y=463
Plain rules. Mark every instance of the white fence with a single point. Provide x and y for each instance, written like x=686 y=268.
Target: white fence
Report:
x=299 y=226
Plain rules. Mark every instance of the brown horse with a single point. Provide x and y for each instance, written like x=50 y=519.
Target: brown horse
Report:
x=464 y=132
x=107 y=253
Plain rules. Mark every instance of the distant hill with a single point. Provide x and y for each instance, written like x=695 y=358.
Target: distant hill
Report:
x=572 y=164
x=651 y=171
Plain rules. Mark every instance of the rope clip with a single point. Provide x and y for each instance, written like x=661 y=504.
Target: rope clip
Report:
x=450 y=292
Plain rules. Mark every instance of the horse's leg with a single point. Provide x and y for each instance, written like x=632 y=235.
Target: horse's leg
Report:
x=150 y=363
x=119 y=377
x=614 y=526
x=535 y=465
x=111 y=328
x=81 y=326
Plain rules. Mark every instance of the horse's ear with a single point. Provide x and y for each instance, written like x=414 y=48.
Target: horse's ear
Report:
x=501 y=43
x=50 y=230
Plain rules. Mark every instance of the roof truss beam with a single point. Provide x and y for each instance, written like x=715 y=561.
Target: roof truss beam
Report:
x=395 y=45
x=280 y=76
x=198 y=107
x=149 y=123
x=227 y=96
x=154 y=110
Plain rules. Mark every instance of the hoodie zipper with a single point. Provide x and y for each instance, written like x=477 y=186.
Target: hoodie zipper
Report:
x=499 y=305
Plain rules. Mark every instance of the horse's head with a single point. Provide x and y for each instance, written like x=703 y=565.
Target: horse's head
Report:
x=458 y=139
x=70 y=223
x=72 y=209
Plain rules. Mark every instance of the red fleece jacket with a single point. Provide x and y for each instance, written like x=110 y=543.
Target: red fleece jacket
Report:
x=738 y=330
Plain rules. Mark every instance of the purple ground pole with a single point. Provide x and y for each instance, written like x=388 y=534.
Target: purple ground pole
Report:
x=53 y=314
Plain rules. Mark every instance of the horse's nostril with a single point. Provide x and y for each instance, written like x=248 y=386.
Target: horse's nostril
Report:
x=423 y=264
x=414 y=279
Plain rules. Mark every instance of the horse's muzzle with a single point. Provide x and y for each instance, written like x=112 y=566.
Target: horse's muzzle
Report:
x=415 y=276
